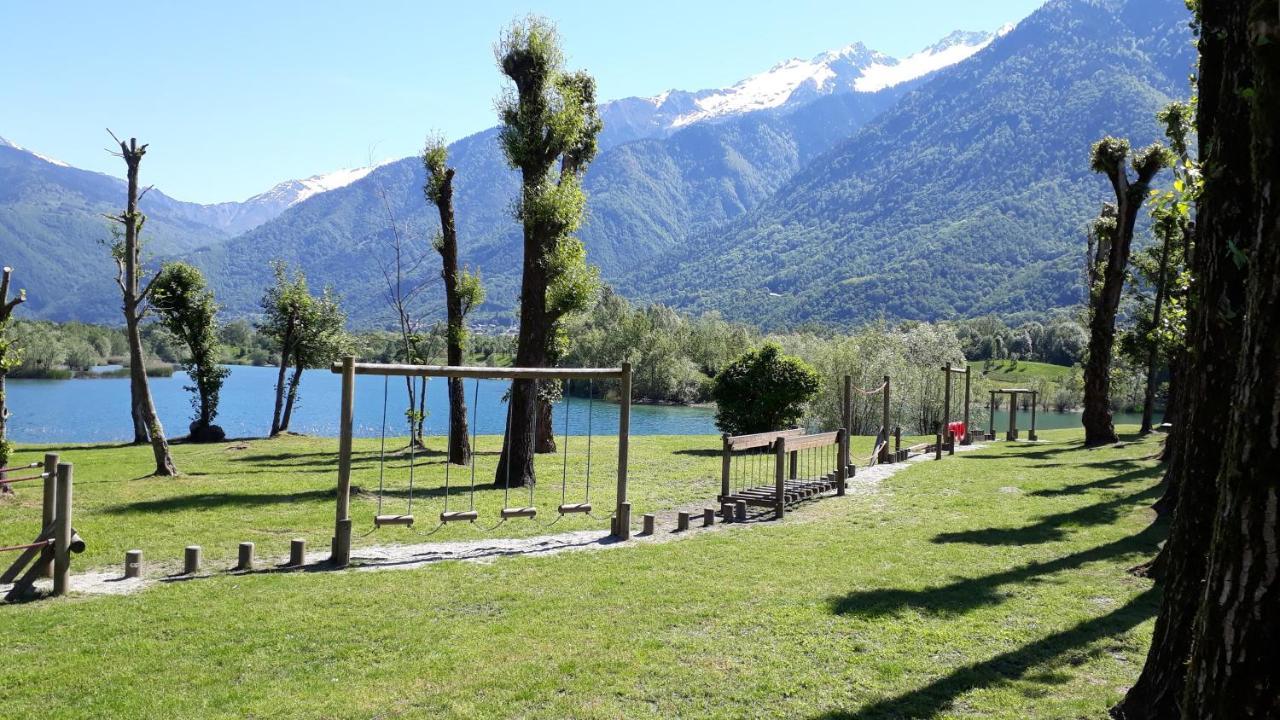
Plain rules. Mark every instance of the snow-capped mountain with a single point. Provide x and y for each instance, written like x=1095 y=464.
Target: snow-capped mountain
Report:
x=853 y=68
x=46 y=158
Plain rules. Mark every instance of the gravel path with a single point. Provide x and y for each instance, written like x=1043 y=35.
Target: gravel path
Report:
x=404 y=557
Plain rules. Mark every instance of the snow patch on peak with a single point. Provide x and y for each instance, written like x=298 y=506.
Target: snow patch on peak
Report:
x=292 y=192
x=46 y=158
x=950 y=50
x=767 y=90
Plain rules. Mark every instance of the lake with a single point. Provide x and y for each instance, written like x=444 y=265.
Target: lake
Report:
x=97 y=410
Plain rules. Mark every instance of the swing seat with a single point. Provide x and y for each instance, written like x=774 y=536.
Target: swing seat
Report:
x=460 y=516
x=568 y=508
x=380 y=520
x=519 y=512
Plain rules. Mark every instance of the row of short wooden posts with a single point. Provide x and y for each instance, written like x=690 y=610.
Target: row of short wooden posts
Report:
x=193 y=558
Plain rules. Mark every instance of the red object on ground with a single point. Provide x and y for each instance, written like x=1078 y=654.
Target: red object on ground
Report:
x=957 y=430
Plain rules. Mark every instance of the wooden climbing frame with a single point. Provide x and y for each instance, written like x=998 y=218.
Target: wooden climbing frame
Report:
x=802 y=467
x=1013 y=393
x=49 y=555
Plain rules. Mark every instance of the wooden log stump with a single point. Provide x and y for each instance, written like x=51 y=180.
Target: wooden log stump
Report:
x=133 y=564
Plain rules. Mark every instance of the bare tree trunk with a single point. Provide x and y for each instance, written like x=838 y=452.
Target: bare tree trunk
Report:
x=1236 y=651
x=546 y=441
x=7 y=307
x=1214 y=324
x=516 y=462
x=294 y=380
x=1153 y=355
x=459 y=445
x=134 y=303
x=285 y=345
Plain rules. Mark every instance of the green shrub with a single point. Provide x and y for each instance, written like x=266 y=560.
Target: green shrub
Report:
x=763 y=390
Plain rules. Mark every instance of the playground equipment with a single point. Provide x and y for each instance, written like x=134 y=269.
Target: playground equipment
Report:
x=800 y=466
x=1013 y=393
x=947 y=431
x=880 y=452
x=349 y=369
x=49 y=555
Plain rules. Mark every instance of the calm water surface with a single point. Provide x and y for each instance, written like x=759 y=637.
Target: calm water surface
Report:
x=97 y=410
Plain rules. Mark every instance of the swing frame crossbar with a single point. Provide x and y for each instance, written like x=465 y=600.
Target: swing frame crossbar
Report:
x=348 y=368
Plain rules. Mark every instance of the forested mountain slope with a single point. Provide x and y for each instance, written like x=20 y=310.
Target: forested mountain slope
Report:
x=969 y=196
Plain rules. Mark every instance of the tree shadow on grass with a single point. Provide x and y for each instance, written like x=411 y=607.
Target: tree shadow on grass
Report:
x=964 y=595
x=1054 y=527
x=1139 y=472
x=938 y=696
x=700 y=452
x=205 y=501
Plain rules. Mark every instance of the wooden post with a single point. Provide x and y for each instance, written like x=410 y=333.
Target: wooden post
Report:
x=1035 y=398
x=1013 y=417
x=708 y=517
x=191 y=560
x=846 y=406
x=133 y=564
x=49 y=509
x=991 y=419
x=884 y=420
x=937 y=448
x=740 y=511
x=622 y=529
x=682 y=520
x=246 y=556
x=946 y=404
x=968 y=429
x=297 y=552
x=649 y=521
x=341 y=555
x=793 y=470
x=62 y=531
x=842 y=472
x=726 y=465
x=780 y=479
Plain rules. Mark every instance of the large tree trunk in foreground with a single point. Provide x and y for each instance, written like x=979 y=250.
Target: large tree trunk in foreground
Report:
x=515 y=466
x=1214 y=323
x=546 y=442
x=1234 y=665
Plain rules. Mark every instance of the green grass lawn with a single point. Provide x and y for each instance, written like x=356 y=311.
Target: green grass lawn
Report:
x=991 y=584
x=1005 y=371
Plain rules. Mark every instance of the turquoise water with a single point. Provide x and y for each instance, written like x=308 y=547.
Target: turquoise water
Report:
x=97 y=410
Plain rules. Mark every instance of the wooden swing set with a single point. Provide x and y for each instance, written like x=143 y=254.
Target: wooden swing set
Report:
x=349 y=369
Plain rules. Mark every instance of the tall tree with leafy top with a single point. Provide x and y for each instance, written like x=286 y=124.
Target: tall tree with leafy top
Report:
x=186 y=308
x=462 y=291
x=1108 y=267
x=549 y=130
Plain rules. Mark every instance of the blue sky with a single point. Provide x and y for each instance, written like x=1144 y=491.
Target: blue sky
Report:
x=236 y=96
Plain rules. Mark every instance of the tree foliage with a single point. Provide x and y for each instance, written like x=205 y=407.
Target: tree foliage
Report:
x=763 y=390
x=185 y=307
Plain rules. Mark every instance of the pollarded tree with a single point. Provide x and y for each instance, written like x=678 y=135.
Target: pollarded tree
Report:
x=186 y=308
x=10 y=356
x=462 y=290
x=127 y=252
x=549 y=119
x=763 y=390
x=1108 y=265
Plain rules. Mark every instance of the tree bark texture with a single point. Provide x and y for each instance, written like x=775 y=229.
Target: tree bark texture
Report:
x=1234 y=670
x=1214 y=323
x=459 y=443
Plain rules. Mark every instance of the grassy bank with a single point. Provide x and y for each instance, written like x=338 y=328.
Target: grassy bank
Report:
x=988 y=585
